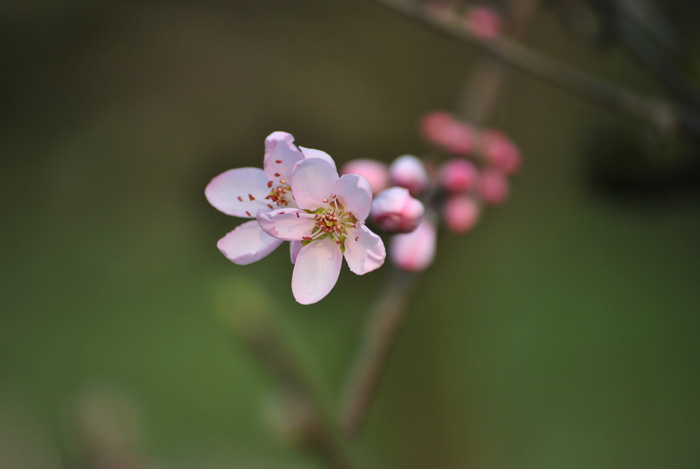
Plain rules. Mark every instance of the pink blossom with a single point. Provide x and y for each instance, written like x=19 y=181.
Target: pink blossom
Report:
x=376 y=173
x=461 y=213
x=441 y=129
x=328 y=225
x=501 y=151
x=494 y=187
x=395 y=211
x=459 y=176
x=243 y=192
x=408 y=171
x=415 y=251
x=484 y=22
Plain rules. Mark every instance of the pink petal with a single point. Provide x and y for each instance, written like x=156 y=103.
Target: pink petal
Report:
x=239 y=192
x=355 y=193
x=247 y=243
x=316 y=270
x=414 y=251
x=280 y=156
x=312 y=181
x=289 y=223
x=376 y=173
x=311 y=153
x=294 y=248
x=364 y=250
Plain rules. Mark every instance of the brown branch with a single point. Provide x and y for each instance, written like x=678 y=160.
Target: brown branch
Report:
x=378 y=341
x=564 y=77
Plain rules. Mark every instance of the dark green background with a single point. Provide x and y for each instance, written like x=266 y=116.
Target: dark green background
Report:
x=563 y=332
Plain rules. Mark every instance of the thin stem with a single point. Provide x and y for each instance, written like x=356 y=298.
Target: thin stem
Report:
x=378 y=340
x=660 y=113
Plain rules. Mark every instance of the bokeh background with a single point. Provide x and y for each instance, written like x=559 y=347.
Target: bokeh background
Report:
x=563 y=332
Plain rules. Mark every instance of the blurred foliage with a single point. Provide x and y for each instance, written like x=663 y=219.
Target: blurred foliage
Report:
x=563 y=332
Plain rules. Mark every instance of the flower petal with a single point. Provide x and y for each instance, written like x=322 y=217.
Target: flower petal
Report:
x=280 y=156
x=414 y=251
x=364 y=250
x=294 y=248
x=312 y=181
x=247 y=243
x=316 y=270
x=355 y=193
x=312 y=153
x=239 y=192
x=289 y=224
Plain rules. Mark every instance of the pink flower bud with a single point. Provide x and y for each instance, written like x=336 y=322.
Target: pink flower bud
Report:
x=440 y=128
x=376 y=173
x=414 y=251
x=395 y=211
x=434 y=124
x=408 y=171
x=461 y=213
x=494 y=187
x=500 y=150
x=458 y=176
x=484 y=22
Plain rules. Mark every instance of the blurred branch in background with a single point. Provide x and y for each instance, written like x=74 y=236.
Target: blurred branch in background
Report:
x=295 y=410
x=377 y=342
x=663 y=115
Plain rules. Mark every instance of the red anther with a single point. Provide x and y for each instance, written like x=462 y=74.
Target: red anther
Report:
x=269 y=183
x=271 y=207
x=325 y=201
x=357 y=238
x=277 y=175
x=297 y=214
x=250 y=196
x=278 y=161
x=282 y=212
x=240 y=199
x=308 y=238
x=248 y=213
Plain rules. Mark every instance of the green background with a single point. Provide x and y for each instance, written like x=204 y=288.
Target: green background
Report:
x=562 y=332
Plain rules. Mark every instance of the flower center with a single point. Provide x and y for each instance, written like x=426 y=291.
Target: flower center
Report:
x=331 y=220
x=279 y=194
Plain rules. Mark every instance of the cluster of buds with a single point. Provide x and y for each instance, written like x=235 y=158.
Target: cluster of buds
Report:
x=411 y=196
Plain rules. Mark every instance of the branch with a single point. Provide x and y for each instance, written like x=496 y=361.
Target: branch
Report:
x=658 y=112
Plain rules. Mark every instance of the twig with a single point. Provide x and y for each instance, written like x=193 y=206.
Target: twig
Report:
x=378 y=341
x=660 y=113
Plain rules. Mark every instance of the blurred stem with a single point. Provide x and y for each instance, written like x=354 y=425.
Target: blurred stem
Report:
x=658 y=112
x=377 y=343
x=317 y=435
x=487 y=80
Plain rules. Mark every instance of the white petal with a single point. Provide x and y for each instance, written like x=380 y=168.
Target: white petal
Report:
x=280 y=156
x=355 y=193
x=312 y=181
x=316 y=270
x=312 y=153
x=289 y=224
x=364 y=250
x=247 y=243
x=294 y=248
x=414 y=251
x=239 y=192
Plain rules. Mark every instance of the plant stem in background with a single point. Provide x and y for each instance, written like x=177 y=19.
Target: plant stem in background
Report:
x=662 y=114
x=371 y=359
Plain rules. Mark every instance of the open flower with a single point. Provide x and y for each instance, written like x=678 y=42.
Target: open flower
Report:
x=243 y=192
x=328 y=225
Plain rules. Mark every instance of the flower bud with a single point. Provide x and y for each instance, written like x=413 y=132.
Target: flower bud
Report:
x=408 y=171
x=501 y=151
x=376 y=173
x=461 y=213
x=458 y=175
x=484 y=22
x=414 y=251
x=395 y=211
x=494 y=187
x=441 y=129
